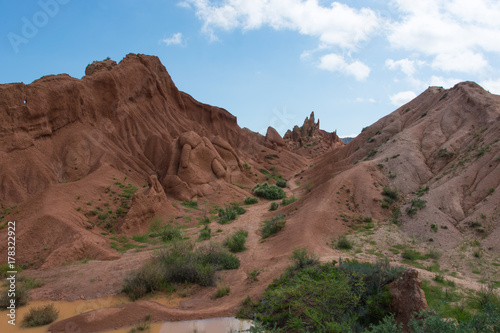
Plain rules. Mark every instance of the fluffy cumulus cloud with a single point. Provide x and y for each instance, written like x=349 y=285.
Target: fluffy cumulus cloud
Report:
x=337 y=24
x=406 y=65
x=175 y=39
x=454 y=33
x=334 y=26
x=337 y=63
x=447 y=37
x=402 y=98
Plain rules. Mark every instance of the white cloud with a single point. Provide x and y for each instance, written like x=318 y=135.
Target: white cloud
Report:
x=402 y=97
x=336 y=25
x=467 y=62
x=175 y=39
x=456 y=33
x=439 y=81
x=336 y=63
x=493 y=86
x=406 y=65
x=365 y=100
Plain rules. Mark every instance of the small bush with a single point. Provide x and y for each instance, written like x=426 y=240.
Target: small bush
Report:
x=251 y=200
x=391 y=192
x=274 y=206
x=281 y=183
x=181 y=263
x=169 y=233
x=422 y=191
x=40 y=316
x=343 y=243
x=286 y=201
x=205 y=234
x=273 y=226
x=190 y=204
x=269 y=192
x=302 y=258
x=253 y=275
x=236 y=242
x=410 y=254
x=415 y=205
x=223 y=289
x=229 y=214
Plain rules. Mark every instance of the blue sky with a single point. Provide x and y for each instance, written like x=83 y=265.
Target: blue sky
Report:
x=268 y=62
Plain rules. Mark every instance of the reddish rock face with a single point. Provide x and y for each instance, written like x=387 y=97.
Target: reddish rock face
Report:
x=309 y=140
x=408 y=296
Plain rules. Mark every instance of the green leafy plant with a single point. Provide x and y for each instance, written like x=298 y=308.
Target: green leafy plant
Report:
x=288 y=201
x=251 y=200
x=40 y=316
x=281 y=183
x=273 y=226
x=269 y=192
x=236 y=241
x=274 y=206
x=343 y=243
x=190 y=204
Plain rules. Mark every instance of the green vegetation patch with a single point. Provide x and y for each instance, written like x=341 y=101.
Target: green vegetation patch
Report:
x=230 y=214
x=180 y=263
x=273 y=226
x=250 y=200
x=236 y=241
x=325 y=298
x=40 y=316
x=269 y=192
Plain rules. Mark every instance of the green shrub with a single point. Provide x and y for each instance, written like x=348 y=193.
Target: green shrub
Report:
x=169 y=233
x=231 y=213
x=269 y=192
x=190 y=204
x=411 y=254
x=415 y=205
x=205 y=233
x=325 y=298
x=251 y=200
x=236 y=242
x=273 y=226
x=223 y=289
x=302 y=258
x=180 y=263
x=343 y=243
x=422 y=191
x=40 y=316
x=149 y=278
x=391 y=192
x=286 y=201
x=274 y=206
x=281 y=183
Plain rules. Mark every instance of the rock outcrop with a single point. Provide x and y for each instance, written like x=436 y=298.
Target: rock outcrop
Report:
x=408 y=297
x=309 y=140
x=96 y=66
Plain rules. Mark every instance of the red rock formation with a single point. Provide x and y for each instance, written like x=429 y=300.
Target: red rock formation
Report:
x=310 y=140
x=127 y=120
x=408 y=296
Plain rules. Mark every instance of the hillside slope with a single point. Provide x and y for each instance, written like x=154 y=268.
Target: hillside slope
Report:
x=67 y=145
x=443 y=143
